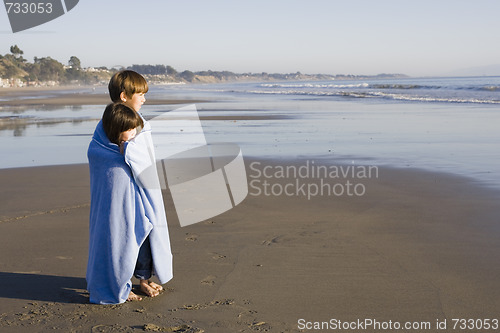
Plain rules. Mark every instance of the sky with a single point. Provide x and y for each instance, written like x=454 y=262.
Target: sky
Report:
x=417 y=38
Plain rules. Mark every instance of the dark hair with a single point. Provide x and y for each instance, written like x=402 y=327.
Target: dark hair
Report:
x=126 y=81
x=118 y=118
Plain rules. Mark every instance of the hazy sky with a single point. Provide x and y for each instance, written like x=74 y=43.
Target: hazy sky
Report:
x=418 y=38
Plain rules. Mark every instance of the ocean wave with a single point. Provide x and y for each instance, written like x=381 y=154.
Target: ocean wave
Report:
x=490 y=88
x=376 y=94
x=403 y=86
x=313 y=85
x=381 y=86
x=353 y=85
x=402 y=97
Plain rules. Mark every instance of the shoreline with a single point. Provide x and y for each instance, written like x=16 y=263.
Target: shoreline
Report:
x=69 y=96
x=82 y=99
x=417 y=245
x=24 y=116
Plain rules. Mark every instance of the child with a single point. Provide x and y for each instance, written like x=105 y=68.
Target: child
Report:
x=121 y=124
x=128 y=226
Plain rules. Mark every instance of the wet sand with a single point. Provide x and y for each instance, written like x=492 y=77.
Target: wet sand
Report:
x=417 y=246
x=62 y=96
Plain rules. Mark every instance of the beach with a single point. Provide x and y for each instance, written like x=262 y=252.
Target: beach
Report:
x=61 y=96
x=416 y=247
x=395 y=245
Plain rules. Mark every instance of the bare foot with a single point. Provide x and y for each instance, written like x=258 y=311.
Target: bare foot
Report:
x=155 y=286
x=148 y=289
x=133 y=297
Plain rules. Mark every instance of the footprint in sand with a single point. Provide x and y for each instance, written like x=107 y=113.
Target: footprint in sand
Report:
x=272 y=241
x=218 y=256
x=209 y=280
x=180 y=328
x=192 y=238
x=290 y=237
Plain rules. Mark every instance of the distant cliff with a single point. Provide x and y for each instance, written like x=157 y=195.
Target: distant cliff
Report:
x=225 y=76
x=16 y=71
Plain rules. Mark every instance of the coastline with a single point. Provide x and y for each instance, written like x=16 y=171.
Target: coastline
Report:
x=417 y=245
x=67 y=96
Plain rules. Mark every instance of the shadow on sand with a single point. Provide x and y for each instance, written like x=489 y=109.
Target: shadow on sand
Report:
x=46 y=288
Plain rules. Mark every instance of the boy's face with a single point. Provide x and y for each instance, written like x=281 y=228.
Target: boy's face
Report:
x=135 y=101
x=127 y=135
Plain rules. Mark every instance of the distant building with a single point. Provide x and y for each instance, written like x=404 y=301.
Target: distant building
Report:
x=8 y=83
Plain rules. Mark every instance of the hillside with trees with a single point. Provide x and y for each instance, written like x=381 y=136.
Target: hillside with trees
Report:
x=16 y=71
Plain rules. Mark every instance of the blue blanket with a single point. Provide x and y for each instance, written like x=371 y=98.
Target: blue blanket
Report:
x=123 y=212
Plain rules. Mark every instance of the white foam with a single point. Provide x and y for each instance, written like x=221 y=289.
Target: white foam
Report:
x=312 y=85
x=375 y=94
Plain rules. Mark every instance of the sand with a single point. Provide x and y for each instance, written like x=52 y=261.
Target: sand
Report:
x=417 y=246
x=62 y=96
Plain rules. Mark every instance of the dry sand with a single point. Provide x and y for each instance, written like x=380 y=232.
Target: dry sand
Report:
x=418 y=246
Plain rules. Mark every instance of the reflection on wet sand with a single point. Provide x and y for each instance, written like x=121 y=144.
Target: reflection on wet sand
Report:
x=18 y=125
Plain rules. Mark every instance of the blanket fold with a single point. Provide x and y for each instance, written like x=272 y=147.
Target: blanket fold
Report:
x=123 y=212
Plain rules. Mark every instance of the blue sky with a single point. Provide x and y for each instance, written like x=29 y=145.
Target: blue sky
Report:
x=419 y=38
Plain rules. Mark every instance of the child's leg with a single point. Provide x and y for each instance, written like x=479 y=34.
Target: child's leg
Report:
x=143 y=270
x=144 y=265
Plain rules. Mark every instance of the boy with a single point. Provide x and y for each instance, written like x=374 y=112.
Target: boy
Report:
x=129 y=88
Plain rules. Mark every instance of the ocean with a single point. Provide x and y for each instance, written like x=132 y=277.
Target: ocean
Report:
x=438 y=124
x=463 y=90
